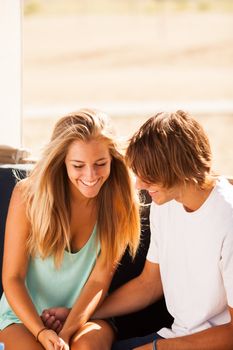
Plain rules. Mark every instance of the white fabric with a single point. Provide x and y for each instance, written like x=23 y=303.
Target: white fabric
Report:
x=195 y=254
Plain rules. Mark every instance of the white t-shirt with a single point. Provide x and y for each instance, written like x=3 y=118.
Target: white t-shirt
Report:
x=195 y=254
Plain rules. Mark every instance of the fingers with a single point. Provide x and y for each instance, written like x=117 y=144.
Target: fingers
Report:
x=53 y=324
x=51 y=341
x=50 y=322
x=56 y=346
x=59 y=328
x=61 y=345
x=49 y=346
x=50 y=312
x=45 y=315
x=60 y=313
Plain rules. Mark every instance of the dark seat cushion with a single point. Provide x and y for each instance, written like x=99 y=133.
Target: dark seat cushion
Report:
x=7 y=183
x=155 y=316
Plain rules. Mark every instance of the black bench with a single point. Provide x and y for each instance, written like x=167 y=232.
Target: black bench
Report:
x=140 y=323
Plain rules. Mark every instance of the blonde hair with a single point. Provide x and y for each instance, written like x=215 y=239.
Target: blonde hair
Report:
x=47 y=194
x=169 y=149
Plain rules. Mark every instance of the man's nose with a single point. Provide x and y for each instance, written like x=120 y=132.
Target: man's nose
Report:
x=140 y=185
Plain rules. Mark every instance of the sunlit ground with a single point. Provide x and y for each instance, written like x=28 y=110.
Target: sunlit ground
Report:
x=131 y=59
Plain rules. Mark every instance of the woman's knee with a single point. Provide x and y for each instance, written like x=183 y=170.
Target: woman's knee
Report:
x=83 y=343
x=16 y=336
x=97 y=335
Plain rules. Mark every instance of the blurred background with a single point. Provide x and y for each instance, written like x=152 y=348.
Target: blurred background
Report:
x=130 y=58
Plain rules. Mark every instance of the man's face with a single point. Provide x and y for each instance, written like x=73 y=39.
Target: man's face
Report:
x=159 y=194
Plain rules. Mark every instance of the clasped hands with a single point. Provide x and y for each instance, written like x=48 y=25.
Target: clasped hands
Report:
x=54 y=319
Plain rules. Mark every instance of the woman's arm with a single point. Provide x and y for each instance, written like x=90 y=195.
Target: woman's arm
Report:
x=15 y=263
x=91 y=296
x=130 y=297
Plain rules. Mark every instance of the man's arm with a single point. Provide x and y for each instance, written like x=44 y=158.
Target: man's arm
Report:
x=134 y=295
x=215 y=338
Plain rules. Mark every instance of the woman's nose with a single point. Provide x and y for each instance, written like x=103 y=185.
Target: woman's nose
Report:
x=90 y=173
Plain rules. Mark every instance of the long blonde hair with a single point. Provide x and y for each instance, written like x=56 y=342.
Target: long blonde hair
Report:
x=47 y=194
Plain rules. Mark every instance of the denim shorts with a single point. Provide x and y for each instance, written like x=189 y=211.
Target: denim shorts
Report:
x=131 y=343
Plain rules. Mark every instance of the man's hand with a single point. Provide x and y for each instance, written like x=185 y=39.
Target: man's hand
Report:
x=55 y=317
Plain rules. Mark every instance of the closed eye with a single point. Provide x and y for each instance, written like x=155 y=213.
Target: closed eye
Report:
x=101 y=164
x=78 y=166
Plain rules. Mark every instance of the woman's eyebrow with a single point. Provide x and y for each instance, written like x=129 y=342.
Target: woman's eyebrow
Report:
x=76 y=160
x=81 y=161
x=101 y=159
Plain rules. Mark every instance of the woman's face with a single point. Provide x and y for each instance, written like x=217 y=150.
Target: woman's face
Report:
x=88 y=165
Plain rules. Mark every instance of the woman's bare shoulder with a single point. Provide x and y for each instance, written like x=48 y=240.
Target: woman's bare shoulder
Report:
x=18 y=193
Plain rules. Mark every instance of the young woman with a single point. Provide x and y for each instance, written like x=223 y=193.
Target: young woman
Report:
x=68 y=224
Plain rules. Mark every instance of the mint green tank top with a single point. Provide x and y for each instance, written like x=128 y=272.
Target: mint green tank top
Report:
x=49 y=287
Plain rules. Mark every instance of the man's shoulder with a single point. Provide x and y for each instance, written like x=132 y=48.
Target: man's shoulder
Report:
x=223 y=199
x=224 y=190
x=157 y=210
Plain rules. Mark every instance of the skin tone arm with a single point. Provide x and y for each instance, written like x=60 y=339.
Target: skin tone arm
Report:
x=143 y=291
x=15 y=263
x=134 y=295
x=215 y=338
x=91 y=296
x=146 y=289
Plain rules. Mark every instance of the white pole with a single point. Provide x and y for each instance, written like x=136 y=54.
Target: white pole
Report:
x=10 y=72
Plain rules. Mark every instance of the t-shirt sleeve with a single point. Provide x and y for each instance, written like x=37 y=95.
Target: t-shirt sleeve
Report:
x=152 y=254
x=227 y=265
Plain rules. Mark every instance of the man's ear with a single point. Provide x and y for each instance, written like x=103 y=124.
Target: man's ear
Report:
x=230 y=179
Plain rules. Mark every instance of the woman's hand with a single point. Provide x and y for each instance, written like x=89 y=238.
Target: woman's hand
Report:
x=51 y=341
x=55 y=317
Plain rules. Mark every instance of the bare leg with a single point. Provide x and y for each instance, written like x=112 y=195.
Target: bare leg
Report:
x=17 y=337
x=98 y=335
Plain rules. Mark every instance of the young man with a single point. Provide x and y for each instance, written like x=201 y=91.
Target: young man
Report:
x=190 y=258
